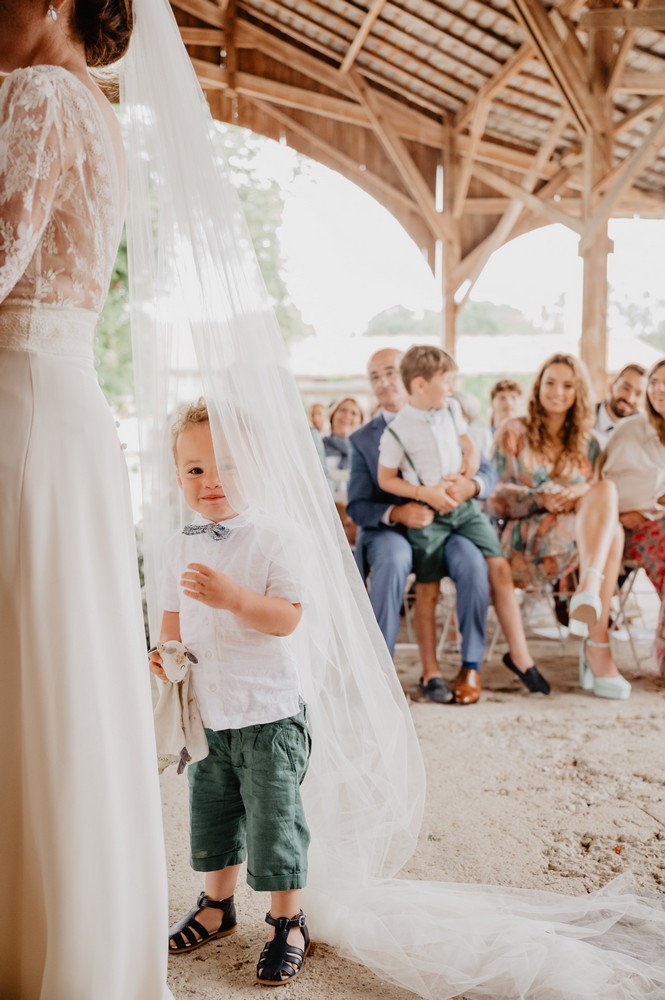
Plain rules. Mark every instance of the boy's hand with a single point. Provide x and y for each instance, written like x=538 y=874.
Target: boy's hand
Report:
x=155 y=664
x=459 y=487
x=204 y=584
x=437 y=498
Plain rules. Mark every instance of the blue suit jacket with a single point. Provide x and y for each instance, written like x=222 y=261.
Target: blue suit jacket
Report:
x=367 y=502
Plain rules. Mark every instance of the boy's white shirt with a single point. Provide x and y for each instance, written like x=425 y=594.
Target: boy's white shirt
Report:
x=431 y=437
x=243 y=677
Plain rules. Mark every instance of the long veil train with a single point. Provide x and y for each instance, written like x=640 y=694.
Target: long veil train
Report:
x=202 y=320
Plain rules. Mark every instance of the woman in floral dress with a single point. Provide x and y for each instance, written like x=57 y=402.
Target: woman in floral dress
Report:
x=558 y=516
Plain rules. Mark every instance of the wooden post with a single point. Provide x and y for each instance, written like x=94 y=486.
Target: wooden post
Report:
x=597 y=163
x=451 y=245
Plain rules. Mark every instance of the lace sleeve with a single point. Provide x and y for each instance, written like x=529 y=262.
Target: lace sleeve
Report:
x=31 y=165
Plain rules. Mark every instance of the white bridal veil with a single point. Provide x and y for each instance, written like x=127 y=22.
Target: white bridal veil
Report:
x=202 y=322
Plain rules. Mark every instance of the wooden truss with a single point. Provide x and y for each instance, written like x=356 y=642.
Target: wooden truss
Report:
x=471 y=122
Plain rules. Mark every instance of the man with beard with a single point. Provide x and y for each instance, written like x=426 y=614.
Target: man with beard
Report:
x=625 y=399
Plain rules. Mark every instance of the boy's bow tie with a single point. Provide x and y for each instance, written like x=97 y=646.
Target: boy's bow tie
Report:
x=216 y=531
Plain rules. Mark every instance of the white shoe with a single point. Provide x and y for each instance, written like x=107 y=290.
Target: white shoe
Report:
x=603 y=687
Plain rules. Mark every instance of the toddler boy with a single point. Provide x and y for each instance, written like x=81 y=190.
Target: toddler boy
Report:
x=230 y=600
x=425 y=449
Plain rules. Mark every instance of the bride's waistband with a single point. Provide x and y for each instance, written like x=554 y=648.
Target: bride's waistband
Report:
x=47 y=329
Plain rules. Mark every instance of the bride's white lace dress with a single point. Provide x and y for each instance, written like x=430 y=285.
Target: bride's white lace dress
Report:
x=82 y=874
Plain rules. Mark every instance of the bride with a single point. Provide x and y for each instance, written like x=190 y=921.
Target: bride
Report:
x=83 y=912
x=71 y=729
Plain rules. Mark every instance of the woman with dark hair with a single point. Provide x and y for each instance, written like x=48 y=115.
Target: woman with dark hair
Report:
x=635 y=463
x=558 y=516
x=82 y=870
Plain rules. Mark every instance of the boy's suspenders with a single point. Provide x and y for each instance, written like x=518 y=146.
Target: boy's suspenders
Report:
x=406 y=454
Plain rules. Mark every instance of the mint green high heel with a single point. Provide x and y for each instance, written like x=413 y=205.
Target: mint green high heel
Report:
x=603 y=687
x=584 y=608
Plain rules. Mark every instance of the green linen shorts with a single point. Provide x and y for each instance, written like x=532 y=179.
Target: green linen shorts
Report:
x=244 y=802
x=429 y=563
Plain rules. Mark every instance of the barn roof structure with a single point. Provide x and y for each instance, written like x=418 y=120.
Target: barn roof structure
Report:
x=470 y=120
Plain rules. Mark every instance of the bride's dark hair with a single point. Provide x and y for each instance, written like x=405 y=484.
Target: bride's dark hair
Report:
x=105 y=27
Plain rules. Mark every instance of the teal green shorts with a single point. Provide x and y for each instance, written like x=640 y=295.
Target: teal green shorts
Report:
x=468 y=520
x=244 y=802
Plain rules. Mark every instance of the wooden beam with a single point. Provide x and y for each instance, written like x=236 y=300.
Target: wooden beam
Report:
x=635 y=82
x=231 y=53
x=202 y=36
x=450 y=249
x=496 y=83
x=464 y=175
x=205 y=10
x=645 y=110
x=612 y=18
x=532 y=201
x=301 y=99
x=410 y=174
x=375 y=8
x=563 y=71
x=624 y=51
x=210 y=75
x=506 y=223
x=630 y=168
x=345 y=163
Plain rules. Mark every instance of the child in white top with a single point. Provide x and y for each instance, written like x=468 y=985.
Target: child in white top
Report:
x=424 y=449
x=230 y=600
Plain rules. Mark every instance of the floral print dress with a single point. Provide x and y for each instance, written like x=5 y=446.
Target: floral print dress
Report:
x=539 y=545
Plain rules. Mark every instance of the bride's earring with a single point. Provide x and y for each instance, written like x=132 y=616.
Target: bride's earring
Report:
x=52 y=12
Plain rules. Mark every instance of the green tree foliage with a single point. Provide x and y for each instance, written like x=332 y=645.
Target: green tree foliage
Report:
x=646 y=318
x=263 y=203
x=474 y=318
x=113 y=347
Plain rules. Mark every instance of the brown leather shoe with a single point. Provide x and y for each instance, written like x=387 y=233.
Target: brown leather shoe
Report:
x=466 y=687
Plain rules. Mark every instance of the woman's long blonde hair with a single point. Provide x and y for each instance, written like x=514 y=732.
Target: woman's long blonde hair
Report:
x=653 y=416
x=579 y=419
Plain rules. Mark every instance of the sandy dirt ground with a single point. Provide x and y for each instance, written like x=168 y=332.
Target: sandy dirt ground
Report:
x=560 y=793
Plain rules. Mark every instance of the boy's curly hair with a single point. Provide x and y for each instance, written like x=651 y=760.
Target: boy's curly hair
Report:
x=425 y=361
x=187 y=415
x=576 y=430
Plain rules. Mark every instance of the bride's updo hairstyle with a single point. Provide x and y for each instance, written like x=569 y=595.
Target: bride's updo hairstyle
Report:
x=105 y=27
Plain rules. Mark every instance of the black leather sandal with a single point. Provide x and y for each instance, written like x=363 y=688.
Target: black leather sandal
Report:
x=280 y=962
x=532 y=679
x=188 y=934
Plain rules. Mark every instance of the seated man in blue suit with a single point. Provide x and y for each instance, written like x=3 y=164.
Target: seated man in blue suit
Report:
x=383 y=551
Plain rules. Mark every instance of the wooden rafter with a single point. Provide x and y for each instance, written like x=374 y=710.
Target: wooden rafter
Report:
x=349 y=166
x=493 y=85
x=202 y=36
x=231 y=53
x=211 y=76
x=464 y=176
x=375 y=8
x=532 y=201
x=206 y=10
x=624 y=51
x=612 y=18
x=301 y=99
x=563 y=70
x=639 y=82
x=412 y=178
x=512 y=213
